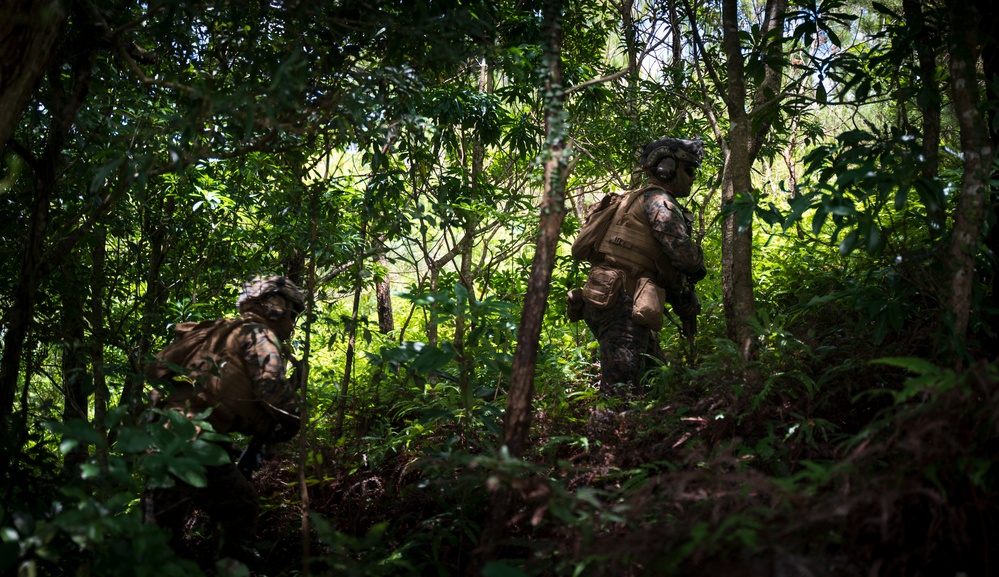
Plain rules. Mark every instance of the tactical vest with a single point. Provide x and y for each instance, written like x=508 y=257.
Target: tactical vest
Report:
x=631 y=246
x=216 y=377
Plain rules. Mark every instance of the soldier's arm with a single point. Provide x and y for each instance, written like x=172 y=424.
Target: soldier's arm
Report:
x=670 y=229
x=266 y=369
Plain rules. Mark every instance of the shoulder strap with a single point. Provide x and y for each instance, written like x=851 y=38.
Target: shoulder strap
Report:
x=622 y=209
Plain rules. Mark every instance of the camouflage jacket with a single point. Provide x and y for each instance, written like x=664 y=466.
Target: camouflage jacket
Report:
x=672 y=227
x=236 y=367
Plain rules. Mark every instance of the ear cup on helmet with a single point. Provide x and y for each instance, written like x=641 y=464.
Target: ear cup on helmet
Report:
x=666 y=168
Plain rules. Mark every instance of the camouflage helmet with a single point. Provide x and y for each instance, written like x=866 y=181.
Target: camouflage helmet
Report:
x=258 y=289
x=689 y=151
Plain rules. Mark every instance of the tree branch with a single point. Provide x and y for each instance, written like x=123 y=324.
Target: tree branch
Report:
x=593 y=81
x=699 y=45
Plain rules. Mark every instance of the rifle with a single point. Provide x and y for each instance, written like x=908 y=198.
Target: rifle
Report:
x=686 y=305
x=689 y=330
x=252 y=458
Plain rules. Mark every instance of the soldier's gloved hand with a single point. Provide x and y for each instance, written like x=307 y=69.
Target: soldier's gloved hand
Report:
x=697 y=275
x=689 y=306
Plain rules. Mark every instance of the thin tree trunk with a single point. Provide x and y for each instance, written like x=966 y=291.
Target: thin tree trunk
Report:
x=303 y=435
x=434 y=274
x=97 y=336
x=747 y=133
x=517 y=418
x=677 y=44
x=976 y=147
x=74 y=365
x=737 y=244
x=467 y=276
x=383 y=294
x=633 y=77
x=931 y=109
x=352 y=337
x=155 y=229
x=989 y=28
x=64 y=108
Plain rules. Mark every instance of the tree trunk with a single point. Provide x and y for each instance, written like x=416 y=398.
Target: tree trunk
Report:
x=304 y=434
x=155 y=229
x=76 y=406
x=348 y=365
x=517 y=418
x=97 y=336
x=634 y=78
x=20 y=315
x=976 y=147
x=466 y=368
x=29 y=32
x=63 y=107
x=383 y=295
x=737 y=245
x=931 y=109
x=747 y=133
x=989 y=28
x=677 y=45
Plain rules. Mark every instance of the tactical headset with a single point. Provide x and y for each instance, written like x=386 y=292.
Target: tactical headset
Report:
x=665 y=169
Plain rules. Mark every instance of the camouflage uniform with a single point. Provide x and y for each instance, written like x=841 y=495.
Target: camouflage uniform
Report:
x=624 y=344
x=238 y=371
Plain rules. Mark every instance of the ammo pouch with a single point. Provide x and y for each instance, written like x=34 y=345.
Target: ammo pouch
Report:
x=574 y=305
x=602 y=287
x=649 y=302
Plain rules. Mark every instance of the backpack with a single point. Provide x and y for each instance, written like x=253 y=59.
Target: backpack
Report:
x=599 y=217
x=191 y=349
x=193 y=367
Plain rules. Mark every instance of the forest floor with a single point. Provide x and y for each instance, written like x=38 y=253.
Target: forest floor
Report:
x=880 y=474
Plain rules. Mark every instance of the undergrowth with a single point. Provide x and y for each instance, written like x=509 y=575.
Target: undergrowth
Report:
x=824 y=456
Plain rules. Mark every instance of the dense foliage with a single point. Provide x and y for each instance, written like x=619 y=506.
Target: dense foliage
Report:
x=837 y=413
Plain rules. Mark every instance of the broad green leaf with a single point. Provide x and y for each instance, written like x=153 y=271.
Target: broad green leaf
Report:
x=916 y=365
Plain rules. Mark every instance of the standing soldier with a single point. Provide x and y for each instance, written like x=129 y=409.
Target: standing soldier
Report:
x=236 y=368
x=646 y=258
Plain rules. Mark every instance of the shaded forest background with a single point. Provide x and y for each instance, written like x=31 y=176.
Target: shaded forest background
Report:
x=421 y=168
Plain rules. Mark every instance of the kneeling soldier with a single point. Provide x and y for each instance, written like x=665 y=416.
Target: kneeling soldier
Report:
x=236 y=367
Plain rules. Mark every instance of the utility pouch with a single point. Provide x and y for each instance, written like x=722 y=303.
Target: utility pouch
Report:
x=602 y=287
x=574 y=305
x=649 y=301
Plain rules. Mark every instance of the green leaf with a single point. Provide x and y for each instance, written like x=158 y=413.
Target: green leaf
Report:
x=206 y=453
x=901 y=198
x=916 y=365
x=102 y=174
x=833 y=37
x=133 y=440
x=180 y=425
x=821 y=214
x=431 y=359
x=770 y=215
x=878 y=6
x=798 y=206
x=874 y=243
x=849 y=242
x=189 y=471
x=73 y=433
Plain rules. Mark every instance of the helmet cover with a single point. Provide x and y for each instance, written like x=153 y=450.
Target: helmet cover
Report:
x=260 y=288
x=689 y=151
